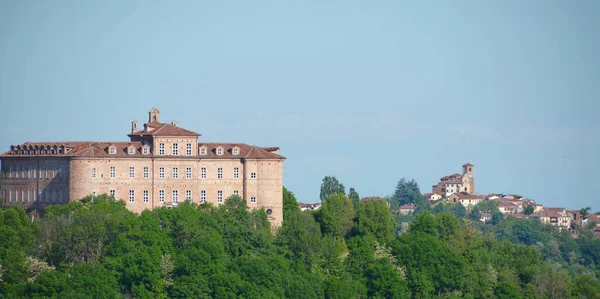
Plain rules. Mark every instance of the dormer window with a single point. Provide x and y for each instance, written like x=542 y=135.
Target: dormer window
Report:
x=145 y=150
x=236 y=151
x=131 y=150
x=203 y=151
x=112 y=150
x=219 y=151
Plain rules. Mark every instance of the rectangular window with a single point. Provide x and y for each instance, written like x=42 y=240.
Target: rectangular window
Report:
x=112 y=172
x=175 y=149
x=22 y=195
x=203 y=196
x=146 y=172
x=253 y=175
x=188 y=173
x=131 y=195
x=175 y=172
x=112 y=193
x=220 y=173
x=17 y=172
x=146 y=196
x=145 y=150
x=161 y=195
x=35 y=170
x=28 y=195
x=219 y=196
x=131 y=172
x=188 y=195
x=161 y=172
x=252 y=199
x=175 y=196
x=94 y=194
x=236 y=173
x=10 y=172
x=236 y=193
x=203 y=172
x=203 y=151
x=93 y=173
x=53 y=195
x=161 y=149
x=47 y=196
x=9 y=195
x=188 y=149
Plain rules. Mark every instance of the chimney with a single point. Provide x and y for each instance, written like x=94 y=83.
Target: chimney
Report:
x=134 y=126
x=174 y=123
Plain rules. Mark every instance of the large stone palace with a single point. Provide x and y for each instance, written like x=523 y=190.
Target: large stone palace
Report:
x=456 y=182
x=161 y=165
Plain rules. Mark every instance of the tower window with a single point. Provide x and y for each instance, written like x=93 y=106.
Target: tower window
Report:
x=112 y=172
x=236 y=172
x=93 y=173
x=220 y=173
x=203 y=172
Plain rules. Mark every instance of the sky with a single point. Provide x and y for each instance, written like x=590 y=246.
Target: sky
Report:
x=367 y=91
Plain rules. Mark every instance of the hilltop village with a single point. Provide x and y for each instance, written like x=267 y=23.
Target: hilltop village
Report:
x=459 y=188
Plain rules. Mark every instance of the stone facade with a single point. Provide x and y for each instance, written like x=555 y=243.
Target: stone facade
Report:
x=161 y=165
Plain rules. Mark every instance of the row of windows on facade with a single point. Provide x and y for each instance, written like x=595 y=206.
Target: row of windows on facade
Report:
x=174 y=150
x=29 y=195
x=34 y=172
x=174 y=172
x=175 y=195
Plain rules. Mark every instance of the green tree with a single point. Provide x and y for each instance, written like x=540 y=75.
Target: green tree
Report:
x=529 y=210
x=290 y=204
x=336 y=215
x=374 y=218
x=405 y=193
x=354 y=197
x=584 y=212
x=330 y=186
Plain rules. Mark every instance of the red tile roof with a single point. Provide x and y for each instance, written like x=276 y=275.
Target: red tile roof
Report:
x=101 y=149
x=164 y=129
x=468 y=164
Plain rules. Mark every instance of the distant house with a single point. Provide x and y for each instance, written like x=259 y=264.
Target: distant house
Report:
x=309 y=206
x=432 y=196
x=485 y=217
x=466 y=198
x=406 y=209
x=509 y=207
x=577 y=220
x=554 y=216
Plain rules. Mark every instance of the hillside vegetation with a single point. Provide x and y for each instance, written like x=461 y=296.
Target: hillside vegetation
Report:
x=346 y=249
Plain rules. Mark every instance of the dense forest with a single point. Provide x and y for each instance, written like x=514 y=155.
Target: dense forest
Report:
x=96 y=248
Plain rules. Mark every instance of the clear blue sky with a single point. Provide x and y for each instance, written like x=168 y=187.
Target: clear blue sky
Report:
x=368 y=91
